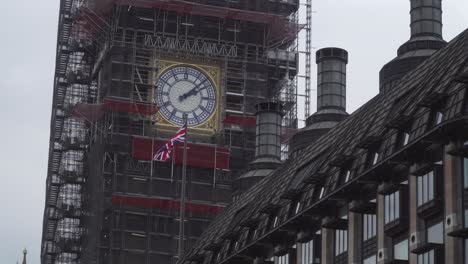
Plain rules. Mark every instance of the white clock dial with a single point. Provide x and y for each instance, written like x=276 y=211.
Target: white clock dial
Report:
x=185 y=90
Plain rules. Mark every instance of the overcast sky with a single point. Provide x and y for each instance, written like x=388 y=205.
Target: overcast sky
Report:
x=371 y=31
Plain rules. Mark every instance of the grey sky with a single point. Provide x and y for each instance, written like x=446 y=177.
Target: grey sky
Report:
x=371 y=31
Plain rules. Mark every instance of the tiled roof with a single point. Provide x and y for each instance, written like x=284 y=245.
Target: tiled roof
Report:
x=344 y=148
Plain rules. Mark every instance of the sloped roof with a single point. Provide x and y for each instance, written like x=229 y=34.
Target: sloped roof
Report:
x=410 y=100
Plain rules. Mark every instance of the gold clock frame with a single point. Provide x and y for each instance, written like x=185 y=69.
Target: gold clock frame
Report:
x=212 y=124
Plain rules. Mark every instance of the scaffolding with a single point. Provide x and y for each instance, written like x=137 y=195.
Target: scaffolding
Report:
x=103 y=193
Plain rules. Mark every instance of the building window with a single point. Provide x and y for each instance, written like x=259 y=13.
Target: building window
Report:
x=322 y=192
x=375 y=158
x=369 y=241
x=369 y=226
x=392 y=207
x=254 y=233
x=435 y=233
x=283 y=259
x=341 y=242
x=275 y=221
x=406 y=137
x=236 y=245
x=370 y=260
x=439 y=117
x=425 y=188
x=400 y=250
x=426 y=258
x=347 y=175
x=307 y=253
x=297 y=207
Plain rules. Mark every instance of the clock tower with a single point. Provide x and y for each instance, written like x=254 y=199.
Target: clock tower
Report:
x=127 y=74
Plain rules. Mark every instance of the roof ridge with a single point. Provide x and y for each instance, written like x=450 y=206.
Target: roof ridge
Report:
x=445 y=63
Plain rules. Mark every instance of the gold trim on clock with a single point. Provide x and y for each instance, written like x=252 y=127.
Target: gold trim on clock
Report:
x=212 y=124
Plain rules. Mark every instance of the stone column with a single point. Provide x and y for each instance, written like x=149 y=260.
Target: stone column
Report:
x=417 y=234
x=328 y=240
x=354 y=238
x=299 y=253
x=384 y=243
x=453 y=202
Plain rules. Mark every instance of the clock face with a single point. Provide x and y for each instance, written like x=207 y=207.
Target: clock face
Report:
x=185 y=90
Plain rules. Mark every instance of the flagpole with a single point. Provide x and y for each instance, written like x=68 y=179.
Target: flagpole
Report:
x=214 y=169
x=182 y=195
x=172 y=164
x=152 y=157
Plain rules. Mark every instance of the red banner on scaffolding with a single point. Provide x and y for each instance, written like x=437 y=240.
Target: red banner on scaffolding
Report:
x=94 y=112
x=119 y=105
x=240 y=120
x=154 y=202
x=202 y=156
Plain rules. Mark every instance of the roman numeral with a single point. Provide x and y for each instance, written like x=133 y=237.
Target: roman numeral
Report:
x=196 y=117
x=186 y=73
x=174 y=75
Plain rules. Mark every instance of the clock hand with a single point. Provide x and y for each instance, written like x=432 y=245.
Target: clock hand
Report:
x=192 y=91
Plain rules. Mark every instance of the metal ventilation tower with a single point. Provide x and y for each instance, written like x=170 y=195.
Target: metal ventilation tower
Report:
x=125 y=73
x=331 y=98
x=426 y=38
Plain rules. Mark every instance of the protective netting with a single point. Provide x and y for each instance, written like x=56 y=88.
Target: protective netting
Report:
x=72 y=163
x=67 y=258
x=69 y=197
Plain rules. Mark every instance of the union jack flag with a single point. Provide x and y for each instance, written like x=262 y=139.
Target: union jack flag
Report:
x=164 y=152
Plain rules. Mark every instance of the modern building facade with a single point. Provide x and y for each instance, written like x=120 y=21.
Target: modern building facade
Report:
x=388 y=184
x=126 y=73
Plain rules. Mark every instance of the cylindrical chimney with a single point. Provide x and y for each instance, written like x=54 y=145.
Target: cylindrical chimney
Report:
x=331 y=78
x=426 y=18
x=268 y=134
x=331 y=98
x=426 y=38
x=267 y=147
